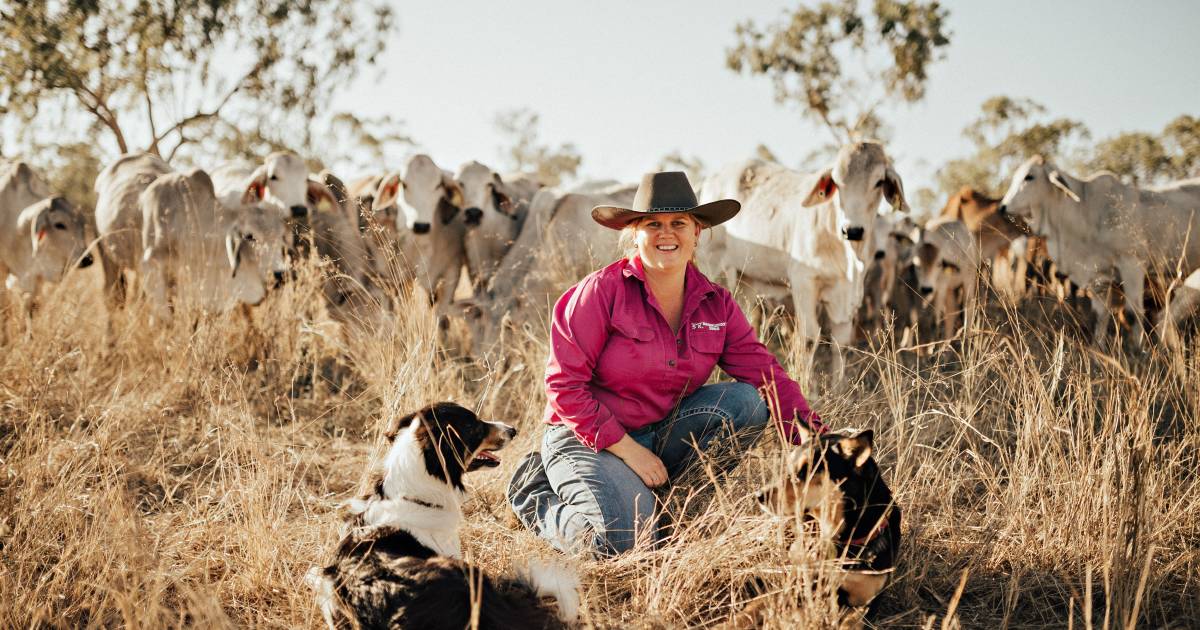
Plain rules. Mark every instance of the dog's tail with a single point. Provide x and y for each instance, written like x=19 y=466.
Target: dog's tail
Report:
x=553 y=580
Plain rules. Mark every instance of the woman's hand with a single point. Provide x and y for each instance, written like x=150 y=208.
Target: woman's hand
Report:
x=646 y=464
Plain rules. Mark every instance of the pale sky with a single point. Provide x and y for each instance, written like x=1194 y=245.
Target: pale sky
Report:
x=630 y=81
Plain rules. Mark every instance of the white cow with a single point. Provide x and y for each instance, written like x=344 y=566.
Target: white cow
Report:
x=119 y=217
x=494 y=211
x=949 y=258
x=41 y=236
x=426 y=201
x=810 y=232
x=200 y=251
x=338 y=241
x=282 y=179
x=559 y=244
x=1099 y=228
x=893 y=237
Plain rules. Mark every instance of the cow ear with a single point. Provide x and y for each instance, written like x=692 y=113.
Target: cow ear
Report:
x=454 y=193
x=39 y=226
x=893 y=190
x=233 y=249
x=320 y=198
x=386 y=193
x=822 y=191
x=256 y=187
x=502 y=202
x=446 y=211
x=858 y=447
x=1061 y=183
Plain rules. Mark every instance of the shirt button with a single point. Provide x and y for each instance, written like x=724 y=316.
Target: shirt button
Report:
x=671 y=363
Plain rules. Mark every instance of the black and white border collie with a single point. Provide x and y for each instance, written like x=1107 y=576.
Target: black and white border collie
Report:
x=399 y=563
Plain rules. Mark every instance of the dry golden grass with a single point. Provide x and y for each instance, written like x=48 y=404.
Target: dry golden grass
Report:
x=187 y=474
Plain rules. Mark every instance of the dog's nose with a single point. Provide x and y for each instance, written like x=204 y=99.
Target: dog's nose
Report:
x=854 y=233
x=510 y=432
x=472 y=216
x=299 y=211
x=420 y=228
x=86 y=261
x=926 y=290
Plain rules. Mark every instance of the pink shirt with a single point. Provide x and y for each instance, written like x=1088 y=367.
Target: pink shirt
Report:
x=615 y=366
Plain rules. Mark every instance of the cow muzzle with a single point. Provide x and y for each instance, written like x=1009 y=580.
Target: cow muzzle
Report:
x=853 y=233
x=879 y=254
x=299 y=211
x=926 y=290
x=472 y=216
x=86 y=261
x=1003 y=209
x=420 y=228
x=279 y=277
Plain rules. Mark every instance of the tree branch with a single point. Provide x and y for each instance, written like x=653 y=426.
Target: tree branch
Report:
x=198 y=116
x=96 y=107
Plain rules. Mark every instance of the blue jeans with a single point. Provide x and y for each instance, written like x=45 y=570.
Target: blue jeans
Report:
x=580 y=500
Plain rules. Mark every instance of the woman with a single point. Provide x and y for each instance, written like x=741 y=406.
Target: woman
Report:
x=631 y=346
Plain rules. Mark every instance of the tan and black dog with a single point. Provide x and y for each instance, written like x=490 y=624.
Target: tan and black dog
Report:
x=832 y=480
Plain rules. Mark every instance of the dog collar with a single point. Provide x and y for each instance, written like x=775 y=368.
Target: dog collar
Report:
x=422 y=503
x=883 y=523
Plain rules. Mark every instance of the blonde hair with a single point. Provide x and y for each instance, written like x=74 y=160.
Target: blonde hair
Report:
x=627 y=242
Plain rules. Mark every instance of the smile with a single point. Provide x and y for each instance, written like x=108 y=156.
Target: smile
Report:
x=667 y=248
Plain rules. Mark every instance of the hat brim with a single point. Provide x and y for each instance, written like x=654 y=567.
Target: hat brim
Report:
x=711 y=213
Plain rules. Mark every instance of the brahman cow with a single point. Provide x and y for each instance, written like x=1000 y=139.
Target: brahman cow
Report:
x=41 y=235
x=948 y=259
x=119 y=217
x=558 y=245
x=339 y=243
x=1099 y=229
x=282 y=180
x=1003 y=240
x=809 y=232
x=200 y=251
x=494 y=211
x=425 y=202
x=894 y=237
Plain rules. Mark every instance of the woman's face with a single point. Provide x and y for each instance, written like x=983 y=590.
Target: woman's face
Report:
x=666 y=241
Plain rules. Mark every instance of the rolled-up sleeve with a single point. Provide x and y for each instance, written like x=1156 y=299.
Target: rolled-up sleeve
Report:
x=746 y=359
x=578 y=333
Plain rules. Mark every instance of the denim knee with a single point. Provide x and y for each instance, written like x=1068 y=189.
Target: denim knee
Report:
x=744 y=406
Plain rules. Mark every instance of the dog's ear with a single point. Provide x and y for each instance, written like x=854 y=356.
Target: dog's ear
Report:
x=802 y=431
x=858 y=447
x=396 y=426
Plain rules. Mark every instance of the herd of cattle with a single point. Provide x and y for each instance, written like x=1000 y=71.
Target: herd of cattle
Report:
x=812 y=241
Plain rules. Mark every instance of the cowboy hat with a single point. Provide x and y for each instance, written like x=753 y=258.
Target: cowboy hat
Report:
x=668 y=191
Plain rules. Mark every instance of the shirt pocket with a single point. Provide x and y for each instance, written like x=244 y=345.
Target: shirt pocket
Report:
x=707 y=341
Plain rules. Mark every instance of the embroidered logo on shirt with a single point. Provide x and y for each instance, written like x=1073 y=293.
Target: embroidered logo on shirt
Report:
x=707 y=326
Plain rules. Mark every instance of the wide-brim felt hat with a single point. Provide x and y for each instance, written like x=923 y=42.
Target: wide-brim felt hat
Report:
x=667 y=191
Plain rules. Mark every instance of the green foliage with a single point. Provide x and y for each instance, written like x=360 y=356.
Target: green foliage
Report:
x=804 y=55
x=1143 y=158
x=159 y=76
x=1007 y=132
x=522 y=152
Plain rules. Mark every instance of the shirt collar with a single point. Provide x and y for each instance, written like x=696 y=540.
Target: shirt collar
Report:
x=696 y=285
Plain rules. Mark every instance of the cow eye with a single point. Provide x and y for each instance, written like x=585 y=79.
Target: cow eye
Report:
x=1029 y=177
x=879 y=184
x=60 y=226
x=273 y=177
